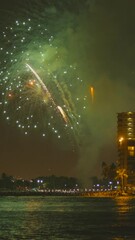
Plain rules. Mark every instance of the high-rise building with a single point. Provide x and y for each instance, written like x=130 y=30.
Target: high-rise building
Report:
x=126 y=146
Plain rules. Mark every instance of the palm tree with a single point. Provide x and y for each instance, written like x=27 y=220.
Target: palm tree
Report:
x=121 y=173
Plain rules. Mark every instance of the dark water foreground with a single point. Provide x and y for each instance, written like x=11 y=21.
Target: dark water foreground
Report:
x=62 y=217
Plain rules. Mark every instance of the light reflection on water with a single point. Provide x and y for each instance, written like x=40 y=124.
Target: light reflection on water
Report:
x=64 y=218
x=123 y=204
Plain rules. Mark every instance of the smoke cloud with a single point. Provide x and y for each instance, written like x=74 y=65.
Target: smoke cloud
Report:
x=100 y=40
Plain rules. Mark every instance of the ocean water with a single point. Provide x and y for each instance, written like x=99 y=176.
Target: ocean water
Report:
x=67 y=218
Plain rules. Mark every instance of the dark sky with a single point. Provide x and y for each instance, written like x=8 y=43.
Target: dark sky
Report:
x=98 y=38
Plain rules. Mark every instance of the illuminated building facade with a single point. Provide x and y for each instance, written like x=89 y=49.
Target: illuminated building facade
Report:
x=126 y=146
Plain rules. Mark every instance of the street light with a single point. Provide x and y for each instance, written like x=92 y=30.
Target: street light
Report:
x=121 y=139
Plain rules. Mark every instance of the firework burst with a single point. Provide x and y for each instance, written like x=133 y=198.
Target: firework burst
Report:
x=37 y=83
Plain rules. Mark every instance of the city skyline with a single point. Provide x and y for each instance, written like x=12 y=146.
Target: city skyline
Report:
x=93 y=79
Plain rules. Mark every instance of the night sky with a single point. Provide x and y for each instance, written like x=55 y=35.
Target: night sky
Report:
x=73 y=45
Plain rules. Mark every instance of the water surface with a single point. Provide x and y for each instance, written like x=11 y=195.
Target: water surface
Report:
x=64 y=218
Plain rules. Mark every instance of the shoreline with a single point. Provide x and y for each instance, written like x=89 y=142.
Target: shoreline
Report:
x=66 y=194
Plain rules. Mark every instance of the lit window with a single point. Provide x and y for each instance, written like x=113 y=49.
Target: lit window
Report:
x=131 y=148
x=129 y=119
x=129 y=133
x=131 y=151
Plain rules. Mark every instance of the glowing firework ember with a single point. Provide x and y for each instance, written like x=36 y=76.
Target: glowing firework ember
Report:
x=39 y=99
x=63 y=114
x=92 y=93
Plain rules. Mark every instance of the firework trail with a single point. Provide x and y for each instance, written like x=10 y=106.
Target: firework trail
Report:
x=41 y=83
x=48 y=93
